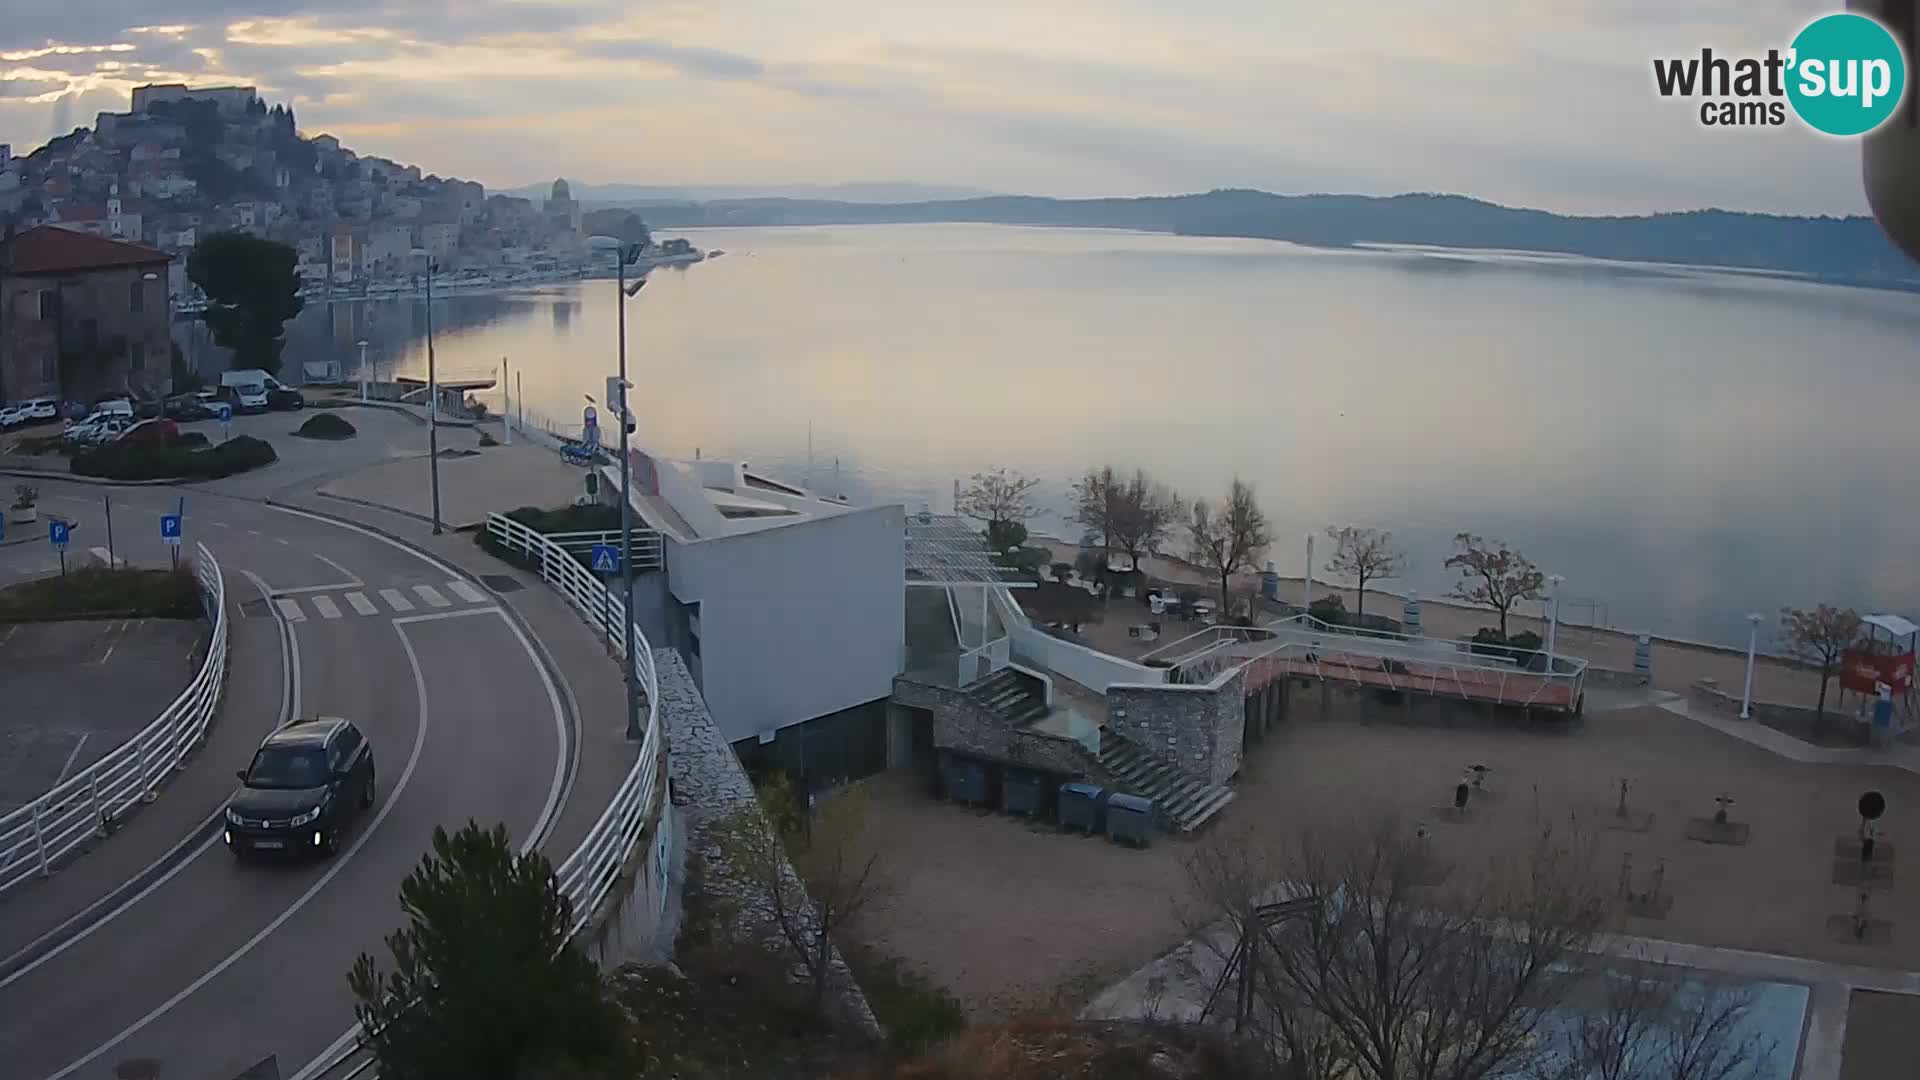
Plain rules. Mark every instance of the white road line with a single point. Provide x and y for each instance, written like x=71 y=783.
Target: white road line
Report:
x=71 y=758
x=111 y=643
x=338 y=586
x=344 y=572
x=283 y=541
x=11 y=630
x=436 y=616
x=253 y=532
x=396 y=600
x=326 y=607
x=220 y=525
x=361 y=604
x=339 y=864
x=432 y=596
x=466 y=592
x=290 y=609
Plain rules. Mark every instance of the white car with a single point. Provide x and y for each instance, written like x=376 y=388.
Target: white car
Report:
x=27 y=412
x=98 y=428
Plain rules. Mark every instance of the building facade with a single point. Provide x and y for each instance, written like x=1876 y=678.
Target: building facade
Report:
x=82 y=315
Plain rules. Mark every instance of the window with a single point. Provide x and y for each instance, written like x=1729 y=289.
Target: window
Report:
x=139 y=362
x=343 y=749
x=49 y=304
x=137 y=298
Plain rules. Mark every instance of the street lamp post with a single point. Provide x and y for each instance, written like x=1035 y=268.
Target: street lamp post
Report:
x=1753 y=640
x=1306 y=585
x=1553 y=617
x=433 y=395
x=624 y=255
x=362 y=343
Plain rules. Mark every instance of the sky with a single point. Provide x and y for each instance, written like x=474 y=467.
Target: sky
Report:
x=1541 y=103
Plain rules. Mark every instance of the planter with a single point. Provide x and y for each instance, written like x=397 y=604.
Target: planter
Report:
x=23 y=515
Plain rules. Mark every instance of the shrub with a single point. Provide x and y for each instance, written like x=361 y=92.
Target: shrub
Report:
x=118 y=462
x=326 y=425
x=96 y=592
x=1062 y=570
x=1329 y=609
x=1089 y=564
x=487 y=439
x=25 y=496
x=187 y=440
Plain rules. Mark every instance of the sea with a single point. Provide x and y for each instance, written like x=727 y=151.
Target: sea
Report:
x=1684 y=446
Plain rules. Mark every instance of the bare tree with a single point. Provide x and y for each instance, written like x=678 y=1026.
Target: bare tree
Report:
x=1364 y=555
x=1653 y=1022
x=1820 y=636
x=1095 y=497
x=832 y=877
x=1230 y=539
x=1492 y=576
x=999 y=498
x=1144 y=513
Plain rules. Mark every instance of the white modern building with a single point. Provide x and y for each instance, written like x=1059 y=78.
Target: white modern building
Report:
x=790 y=607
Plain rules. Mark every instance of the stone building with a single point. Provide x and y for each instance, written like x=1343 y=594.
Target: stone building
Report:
x=82 y=315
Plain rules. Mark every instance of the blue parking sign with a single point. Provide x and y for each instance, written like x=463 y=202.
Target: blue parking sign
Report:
x=606 y=559
x=170 y=529
x=58 y=533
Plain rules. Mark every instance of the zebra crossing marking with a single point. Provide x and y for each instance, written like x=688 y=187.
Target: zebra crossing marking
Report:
x=360 y=604
x=395 y=600
x=466 y=592
x=326 y=607
x=432 y=596
x=290 y=609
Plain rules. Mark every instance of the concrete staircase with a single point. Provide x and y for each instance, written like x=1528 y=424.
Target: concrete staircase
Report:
x=1179 y=800
x=1011 y=696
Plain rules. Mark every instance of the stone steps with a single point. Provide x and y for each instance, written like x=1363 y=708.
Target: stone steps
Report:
x=1011 y=696
x=1183 y=801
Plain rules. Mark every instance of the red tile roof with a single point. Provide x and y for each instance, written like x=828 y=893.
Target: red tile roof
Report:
x=49 y=249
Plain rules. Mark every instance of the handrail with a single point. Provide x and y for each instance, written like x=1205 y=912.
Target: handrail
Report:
x=37 y=836
x=591 y=872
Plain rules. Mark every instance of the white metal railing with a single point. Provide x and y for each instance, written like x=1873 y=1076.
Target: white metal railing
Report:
x=589 y=874
x=37 y=836
x=646 y=545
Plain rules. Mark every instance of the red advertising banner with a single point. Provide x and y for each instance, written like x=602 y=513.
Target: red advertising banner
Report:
x=1863 y=671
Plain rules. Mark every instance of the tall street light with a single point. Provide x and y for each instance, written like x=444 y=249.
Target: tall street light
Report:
x=624 y=255
x=1554 y=582
x=425 y=258
x=1753 y=639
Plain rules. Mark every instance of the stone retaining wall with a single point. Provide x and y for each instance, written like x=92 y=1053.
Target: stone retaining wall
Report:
x=1196 y=729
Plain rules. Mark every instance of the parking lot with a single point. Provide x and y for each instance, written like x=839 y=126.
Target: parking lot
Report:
x=76 y=690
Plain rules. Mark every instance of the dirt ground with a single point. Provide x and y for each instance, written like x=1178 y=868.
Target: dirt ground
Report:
x=1675 y=665
x=1014 y=917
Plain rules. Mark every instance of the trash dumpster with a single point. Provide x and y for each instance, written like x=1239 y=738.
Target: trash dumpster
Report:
x=1130 y=819
x=1080 y=806
x=966 y=781
x=1022 y=792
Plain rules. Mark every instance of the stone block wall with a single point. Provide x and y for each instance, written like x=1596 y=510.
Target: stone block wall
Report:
x=962 y=724
x=1197 y=729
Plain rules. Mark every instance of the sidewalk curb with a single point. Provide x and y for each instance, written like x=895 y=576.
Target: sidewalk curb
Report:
x=98 y=481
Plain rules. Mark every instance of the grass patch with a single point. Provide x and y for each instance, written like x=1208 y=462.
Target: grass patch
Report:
x=326 y=425
x=916 y=1013
x=120 y=462
x=96 y=592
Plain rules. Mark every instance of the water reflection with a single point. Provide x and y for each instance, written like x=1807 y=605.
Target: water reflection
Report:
x=1682 y=445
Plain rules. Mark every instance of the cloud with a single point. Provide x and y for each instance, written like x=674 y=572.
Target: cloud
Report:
x=1536 y=102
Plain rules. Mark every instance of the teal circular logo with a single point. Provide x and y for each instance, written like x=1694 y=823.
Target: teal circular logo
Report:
x=1847 y=74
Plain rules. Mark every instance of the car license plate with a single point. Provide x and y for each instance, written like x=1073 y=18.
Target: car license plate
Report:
x=269 y=845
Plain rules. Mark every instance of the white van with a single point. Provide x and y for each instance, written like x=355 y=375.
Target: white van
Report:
x=246 y=389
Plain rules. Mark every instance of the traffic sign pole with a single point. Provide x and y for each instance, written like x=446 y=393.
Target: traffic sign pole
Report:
x=111 y=561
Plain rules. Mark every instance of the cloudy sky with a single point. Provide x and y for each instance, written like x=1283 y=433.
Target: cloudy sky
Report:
x=1544 y=103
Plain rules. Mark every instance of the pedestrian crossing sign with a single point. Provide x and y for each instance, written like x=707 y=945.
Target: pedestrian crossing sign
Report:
x=606 y=559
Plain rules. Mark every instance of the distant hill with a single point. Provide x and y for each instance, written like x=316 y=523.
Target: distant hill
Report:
x=875 y=193
x=1849 y=250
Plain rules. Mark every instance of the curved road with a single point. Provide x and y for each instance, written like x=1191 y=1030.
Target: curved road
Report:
x=217 y=965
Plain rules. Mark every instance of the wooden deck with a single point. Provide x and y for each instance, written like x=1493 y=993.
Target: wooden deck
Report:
x=1412 y=676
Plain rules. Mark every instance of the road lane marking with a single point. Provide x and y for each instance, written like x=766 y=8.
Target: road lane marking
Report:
x=339 y=863
x=289 y=708
x=361 y=604
x=466 y=592
x=326 y=607
x=395 y=600
x=290 y=609
x=344 y=572
x=219 y=524
x=253 y=532
x=71 y=758
x=282 y=541
x=111 y=642
x=436 y=616
x=432 y=596
x=301 y=590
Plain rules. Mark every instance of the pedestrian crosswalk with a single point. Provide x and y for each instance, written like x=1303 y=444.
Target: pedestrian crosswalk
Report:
x=294 y=608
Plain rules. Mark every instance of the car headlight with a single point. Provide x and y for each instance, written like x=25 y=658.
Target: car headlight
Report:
x=233 y=818
x=307 y=818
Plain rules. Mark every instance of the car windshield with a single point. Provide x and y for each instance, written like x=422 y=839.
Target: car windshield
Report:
x=288 y=767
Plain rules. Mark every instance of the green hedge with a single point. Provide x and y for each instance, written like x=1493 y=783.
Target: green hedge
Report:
x=565 y=519
x=117 y=462
x=97 y=592
x=326 y=426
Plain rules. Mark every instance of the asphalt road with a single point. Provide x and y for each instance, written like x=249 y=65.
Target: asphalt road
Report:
x=218 y=964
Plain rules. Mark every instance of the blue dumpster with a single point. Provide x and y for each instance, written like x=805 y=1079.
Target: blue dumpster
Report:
x=1022 y=792
x=966 y=781
x=1080 y=806
x=1130 y=819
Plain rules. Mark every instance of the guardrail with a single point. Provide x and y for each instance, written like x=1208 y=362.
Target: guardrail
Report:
x=37 y=836
x=646 y=545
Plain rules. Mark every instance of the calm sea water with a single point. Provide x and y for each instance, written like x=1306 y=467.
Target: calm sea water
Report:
x=1684 y=447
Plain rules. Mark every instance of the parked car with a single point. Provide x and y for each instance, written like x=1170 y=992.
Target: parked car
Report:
x=119 y=404
x=307 y=783
x=284 y=398
x=98 y=428
x=157 y=432
x=149 y=408
x=187 y=408
x=32 y=411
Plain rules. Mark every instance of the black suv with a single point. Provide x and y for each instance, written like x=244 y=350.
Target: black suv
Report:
x=308 y=781
x=285 y=399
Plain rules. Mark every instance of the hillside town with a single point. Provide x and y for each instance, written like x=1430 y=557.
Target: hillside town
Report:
x=184 y=163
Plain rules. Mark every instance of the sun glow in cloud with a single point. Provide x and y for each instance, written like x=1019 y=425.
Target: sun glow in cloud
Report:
x=1535 y=102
